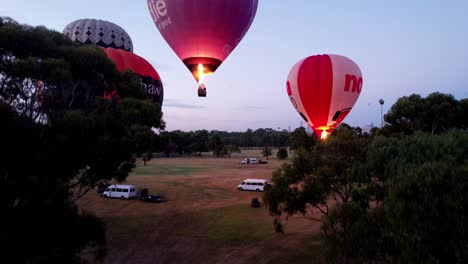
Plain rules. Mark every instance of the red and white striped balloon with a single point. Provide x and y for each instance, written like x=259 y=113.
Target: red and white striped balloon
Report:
x=324 y=89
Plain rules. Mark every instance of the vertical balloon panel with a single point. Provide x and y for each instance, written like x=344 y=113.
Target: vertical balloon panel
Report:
x=323 y=89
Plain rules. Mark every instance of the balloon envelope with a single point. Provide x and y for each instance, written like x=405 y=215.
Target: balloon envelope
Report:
x=149 y=76
x=99 y=32
x=324 y=89
x=203 y=31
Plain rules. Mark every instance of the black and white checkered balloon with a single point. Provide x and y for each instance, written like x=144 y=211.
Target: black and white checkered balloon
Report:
x=99 y=32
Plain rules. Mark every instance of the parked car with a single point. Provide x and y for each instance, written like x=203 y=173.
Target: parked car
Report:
x=249 y=161
x=253 y=185
x=154 y=198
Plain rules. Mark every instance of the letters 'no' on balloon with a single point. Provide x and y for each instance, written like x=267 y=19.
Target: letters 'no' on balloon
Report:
x=324 y=89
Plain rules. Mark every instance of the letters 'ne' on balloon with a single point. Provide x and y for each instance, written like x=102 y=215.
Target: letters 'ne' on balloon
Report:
x=203 y=32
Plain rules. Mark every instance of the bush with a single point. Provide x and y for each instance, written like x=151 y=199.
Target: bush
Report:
x=282 y=154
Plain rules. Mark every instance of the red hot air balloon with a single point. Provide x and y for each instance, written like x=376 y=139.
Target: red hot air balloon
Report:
x=149 y=76
x=203 y=32
x=324 y=89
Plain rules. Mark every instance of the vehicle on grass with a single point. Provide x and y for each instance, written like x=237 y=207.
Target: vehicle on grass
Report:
x=154 y=198
x=122 y=191
x=253 y=185
x=249 y=161
x=253 y=161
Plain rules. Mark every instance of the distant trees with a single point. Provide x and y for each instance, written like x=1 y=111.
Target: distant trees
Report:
x=196 y=142
x=385 y=197
x=229 y=149
x=266 y=152
x=282 y=154
x=59 y=139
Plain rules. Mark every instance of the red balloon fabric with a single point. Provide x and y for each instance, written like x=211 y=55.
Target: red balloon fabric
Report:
x=203 y=31
x=324 y=89
x=149 y=76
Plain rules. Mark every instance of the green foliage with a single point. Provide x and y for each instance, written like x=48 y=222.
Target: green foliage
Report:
x=435 y=114
x=329 y=168
x=425 y=198
x=428 y=208
x=229 y=149
x=300 y=139
x=266 y=152
x=282 y=154
x=51 y=109
x=217 y=145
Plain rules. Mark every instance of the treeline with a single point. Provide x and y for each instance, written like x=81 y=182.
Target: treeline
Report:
x=219 y=142
x=398 y=195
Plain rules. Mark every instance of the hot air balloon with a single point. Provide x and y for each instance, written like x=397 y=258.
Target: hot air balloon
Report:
x=99 y=32
x=324 y=89
x=149 y=76
x=203 y=32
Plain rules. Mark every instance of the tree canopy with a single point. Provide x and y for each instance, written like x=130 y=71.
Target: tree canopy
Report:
x=60 y=138
x=398 y=195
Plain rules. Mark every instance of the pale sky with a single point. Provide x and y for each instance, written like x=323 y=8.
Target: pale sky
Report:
x=401 y=46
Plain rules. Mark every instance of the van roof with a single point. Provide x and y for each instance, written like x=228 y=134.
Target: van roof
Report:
x=261 y=180
x=121 y=185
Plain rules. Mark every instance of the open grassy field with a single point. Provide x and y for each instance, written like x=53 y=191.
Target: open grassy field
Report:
x=206 y=220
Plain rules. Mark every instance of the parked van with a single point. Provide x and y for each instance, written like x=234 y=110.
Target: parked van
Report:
x=122 y=191
x=253 y=185
x=250 y=161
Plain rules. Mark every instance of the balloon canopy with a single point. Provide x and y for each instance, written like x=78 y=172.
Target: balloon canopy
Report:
x=99 y=32
x=324 y=89
x=149 y=76
x=203 y=32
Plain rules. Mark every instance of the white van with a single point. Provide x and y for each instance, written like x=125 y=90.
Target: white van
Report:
x=253 y=185
x=249 y=161
x=122 y=191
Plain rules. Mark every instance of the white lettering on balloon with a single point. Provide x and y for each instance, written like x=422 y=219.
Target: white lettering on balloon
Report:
x=158 y=10
x=150 y=89
x=153 y=90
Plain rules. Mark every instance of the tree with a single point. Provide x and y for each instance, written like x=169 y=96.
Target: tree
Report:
x=266 y=152
x=282 y=154
x=217 y=145
x=300 y=139
x=328 y=170
x=436 y=114
x=425 y=179
x=229 y=149
x=75 y=139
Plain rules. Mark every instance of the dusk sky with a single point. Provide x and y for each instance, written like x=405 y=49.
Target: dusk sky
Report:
x=401 y=47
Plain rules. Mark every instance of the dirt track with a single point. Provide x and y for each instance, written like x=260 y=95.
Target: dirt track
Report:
x=172 y=232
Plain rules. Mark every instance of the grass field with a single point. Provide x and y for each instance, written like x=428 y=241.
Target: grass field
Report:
x=206 y=220
x=156 y=170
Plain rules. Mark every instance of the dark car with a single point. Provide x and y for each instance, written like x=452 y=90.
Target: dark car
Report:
x=154 y=199
x=101 y=188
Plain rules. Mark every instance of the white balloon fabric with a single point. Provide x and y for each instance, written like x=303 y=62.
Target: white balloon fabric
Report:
x=99 y=32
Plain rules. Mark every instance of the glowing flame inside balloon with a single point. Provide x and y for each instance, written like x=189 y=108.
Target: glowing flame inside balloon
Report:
x=201 y=74
x=324 y=135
